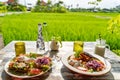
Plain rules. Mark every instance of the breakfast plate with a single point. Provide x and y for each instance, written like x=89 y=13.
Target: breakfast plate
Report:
x=28 y=67
x=93 y=65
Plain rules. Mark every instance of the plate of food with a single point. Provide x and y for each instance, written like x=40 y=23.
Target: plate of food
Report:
x=86 y=64
x=28 y=65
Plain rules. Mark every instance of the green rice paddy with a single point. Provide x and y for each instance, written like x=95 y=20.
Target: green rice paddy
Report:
x=70 y=26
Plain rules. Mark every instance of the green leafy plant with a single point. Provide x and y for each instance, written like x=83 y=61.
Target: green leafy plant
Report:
x=16 y=7
x=49 y=7
x=114 y=29
x=2 y=8
x=114 y=25
x=77 y=54
x=117 y=52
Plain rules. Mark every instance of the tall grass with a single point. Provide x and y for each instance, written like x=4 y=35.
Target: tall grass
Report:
x=70 y=26
x=1 y=20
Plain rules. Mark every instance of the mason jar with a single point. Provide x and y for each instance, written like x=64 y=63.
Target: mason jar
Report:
x=19 y=48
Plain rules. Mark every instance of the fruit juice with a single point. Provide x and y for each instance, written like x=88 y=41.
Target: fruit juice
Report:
x=78 y=46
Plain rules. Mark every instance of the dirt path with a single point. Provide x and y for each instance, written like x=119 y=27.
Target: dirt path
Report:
x=97 y=16
x=1 y=42
x=10 y=13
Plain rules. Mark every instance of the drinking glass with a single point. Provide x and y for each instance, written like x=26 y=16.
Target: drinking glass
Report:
x=100 y=47
x=78 y=46
x=19 y=48
x=55 y=68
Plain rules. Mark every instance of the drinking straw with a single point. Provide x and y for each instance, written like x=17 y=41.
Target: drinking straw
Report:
x=100 y=38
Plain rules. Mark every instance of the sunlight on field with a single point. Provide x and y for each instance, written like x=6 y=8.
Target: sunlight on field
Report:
x=70 y=26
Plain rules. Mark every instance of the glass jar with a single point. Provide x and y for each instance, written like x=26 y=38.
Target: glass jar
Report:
x=78 y=46
x=100 y=47
x=19 y=48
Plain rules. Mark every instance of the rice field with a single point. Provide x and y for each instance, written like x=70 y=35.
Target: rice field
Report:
x=70 y=26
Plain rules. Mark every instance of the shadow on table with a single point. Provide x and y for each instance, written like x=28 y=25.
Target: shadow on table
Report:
x=53 y=53
x=70 y=75
x=5 y=76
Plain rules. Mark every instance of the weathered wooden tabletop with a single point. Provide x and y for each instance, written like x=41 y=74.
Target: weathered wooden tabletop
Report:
x=59 y=71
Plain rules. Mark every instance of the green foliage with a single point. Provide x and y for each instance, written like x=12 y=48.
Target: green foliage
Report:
x=99 y=0
x=57 y=39
x=117 y=8
x=77 y=54
x=117 y=52
x=17 y=7
x=60 y=9
x=114 y=31
x=38 y=2
x=95 y=2
x=0 y=25
x=2 y=8
x=114 y=25
x=104 y=10
x=70 y=26
x=38 y=9
x=49 y=7
x=1 y=4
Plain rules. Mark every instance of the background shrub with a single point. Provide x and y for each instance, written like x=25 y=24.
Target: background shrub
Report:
x=17 y=7
x=2 y=8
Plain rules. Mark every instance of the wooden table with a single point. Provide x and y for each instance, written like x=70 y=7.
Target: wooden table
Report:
x=60 y=72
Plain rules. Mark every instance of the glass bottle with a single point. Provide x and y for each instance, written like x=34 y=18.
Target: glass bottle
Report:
x=45 y=28
x=40 y=41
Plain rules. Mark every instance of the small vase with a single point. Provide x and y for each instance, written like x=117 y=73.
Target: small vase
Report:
x=54 y=45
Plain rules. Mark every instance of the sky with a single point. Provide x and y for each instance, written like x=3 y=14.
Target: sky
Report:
x=82 y=3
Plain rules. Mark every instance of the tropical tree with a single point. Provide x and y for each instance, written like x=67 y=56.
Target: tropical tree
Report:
x=16 y=1
x=49 y=7
x=58 y=7
x=15 y=6
x=77 y=5
x=117 y=8
x=38 y=2
x=49 y=3
x=2 y=7
x=40 y=7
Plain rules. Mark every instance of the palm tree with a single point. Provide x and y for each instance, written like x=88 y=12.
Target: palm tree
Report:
x=49 y=3
x=38 y=2
x=77 y=5
x=60 y=2
x=15 y=2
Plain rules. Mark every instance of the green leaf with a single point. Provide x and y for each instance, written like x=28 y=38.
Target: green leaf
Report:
x=99 y=0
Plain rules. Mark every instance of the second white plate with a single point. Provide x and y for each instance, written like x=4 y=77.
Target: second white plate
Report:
x=106 y=70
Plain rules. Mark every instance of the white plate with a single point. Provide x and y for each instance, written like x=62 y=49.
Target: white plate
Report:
x=106 y=70
x=13 y=75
